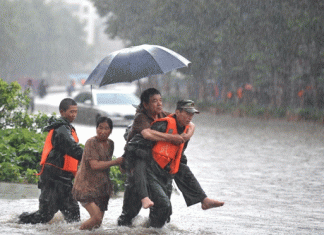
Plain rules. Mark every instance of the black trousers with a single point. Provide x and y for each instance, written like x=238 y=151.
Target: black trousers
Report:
x=160 y=188
x=140 y=178
x=56 y=195
x=189 y=185
x=143 y=181
x=137 y=188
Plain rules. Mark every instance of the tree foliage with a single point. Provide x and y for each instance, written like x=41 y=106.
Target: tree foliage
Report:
x=189 y=27
x=20 y=151
x=273 y=44
x=22 y=142
x=13 y=113
x=39 y=38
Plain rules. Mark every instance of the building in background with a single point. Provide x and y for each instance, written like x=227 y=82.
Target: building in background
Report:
x=94 y=27
x=86 y=13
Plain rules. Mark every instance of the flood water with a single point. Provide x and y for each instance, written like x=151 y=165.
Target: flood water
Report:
x=269 y=173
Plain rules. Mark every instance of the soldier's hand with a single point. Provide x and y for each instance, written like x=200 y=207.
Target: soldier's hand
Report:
x=185 y=136
x=177 y=140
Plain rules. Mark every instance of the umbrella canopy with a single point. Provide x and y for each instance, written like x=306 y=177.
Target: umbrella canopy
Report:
x=130 y=64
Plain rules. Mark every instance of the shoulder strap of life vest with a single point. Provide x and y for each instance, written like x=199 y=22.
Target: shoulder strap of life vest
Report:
x=70 y=163
x=48 y=146
x=175 y=164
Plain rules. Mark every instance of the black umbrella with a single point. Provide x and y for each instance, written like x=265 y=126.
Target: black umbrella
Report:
x=130 y=64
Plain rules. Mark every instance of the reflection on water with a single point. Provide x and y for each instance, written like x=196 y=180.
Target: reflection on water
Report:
x=269 y=173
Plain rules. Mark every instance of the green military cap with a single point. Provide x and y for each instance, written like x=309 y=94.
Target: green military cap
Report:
x=187 y=105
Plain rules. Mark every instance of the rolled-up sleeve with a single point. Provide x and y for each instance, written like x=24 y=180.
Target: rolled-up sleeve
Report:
x=90 y=151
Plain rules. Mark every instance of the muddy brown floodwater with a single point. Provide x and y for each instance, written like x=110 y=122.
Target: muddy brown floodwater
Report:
x=269 y=173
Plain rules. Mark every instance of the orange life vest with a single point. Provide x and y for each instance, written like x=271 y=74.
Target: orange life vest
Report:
x=165 y=152
x=70 y=163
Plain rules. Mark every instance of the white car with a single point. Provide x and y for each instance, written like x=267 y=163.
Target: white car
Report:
x=117 y=105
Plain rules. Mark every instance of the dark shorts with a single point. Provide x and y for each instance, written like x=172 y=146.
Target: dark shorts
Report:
x=101 y=202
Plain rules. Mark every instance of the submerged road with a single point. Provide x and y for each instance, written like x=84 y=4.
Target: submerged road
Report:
x=269 y=173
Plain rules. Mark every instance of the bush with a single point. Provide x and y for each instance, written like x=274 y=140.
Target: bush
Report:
x=10 y=172
x=30 y=176
x=117 y=178
x=21 y=143
x=278 y=112
x=306 y=114
x=20 y=154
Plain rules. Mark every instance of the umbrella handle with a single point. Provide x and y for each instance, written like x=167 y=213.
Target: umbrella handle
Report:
x=139 y=86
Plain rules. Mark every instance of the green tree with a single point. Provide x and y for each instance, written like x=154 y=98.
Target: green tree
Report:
x=190 y=28
x=38 y=38
x=13 y=113
x=7 y=37
x=268 y=44
x=307 y=20
x=236 y=41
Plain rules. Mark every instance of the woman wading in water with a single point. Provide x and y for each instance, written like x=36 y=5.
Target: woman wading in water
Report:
x=92 y=187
